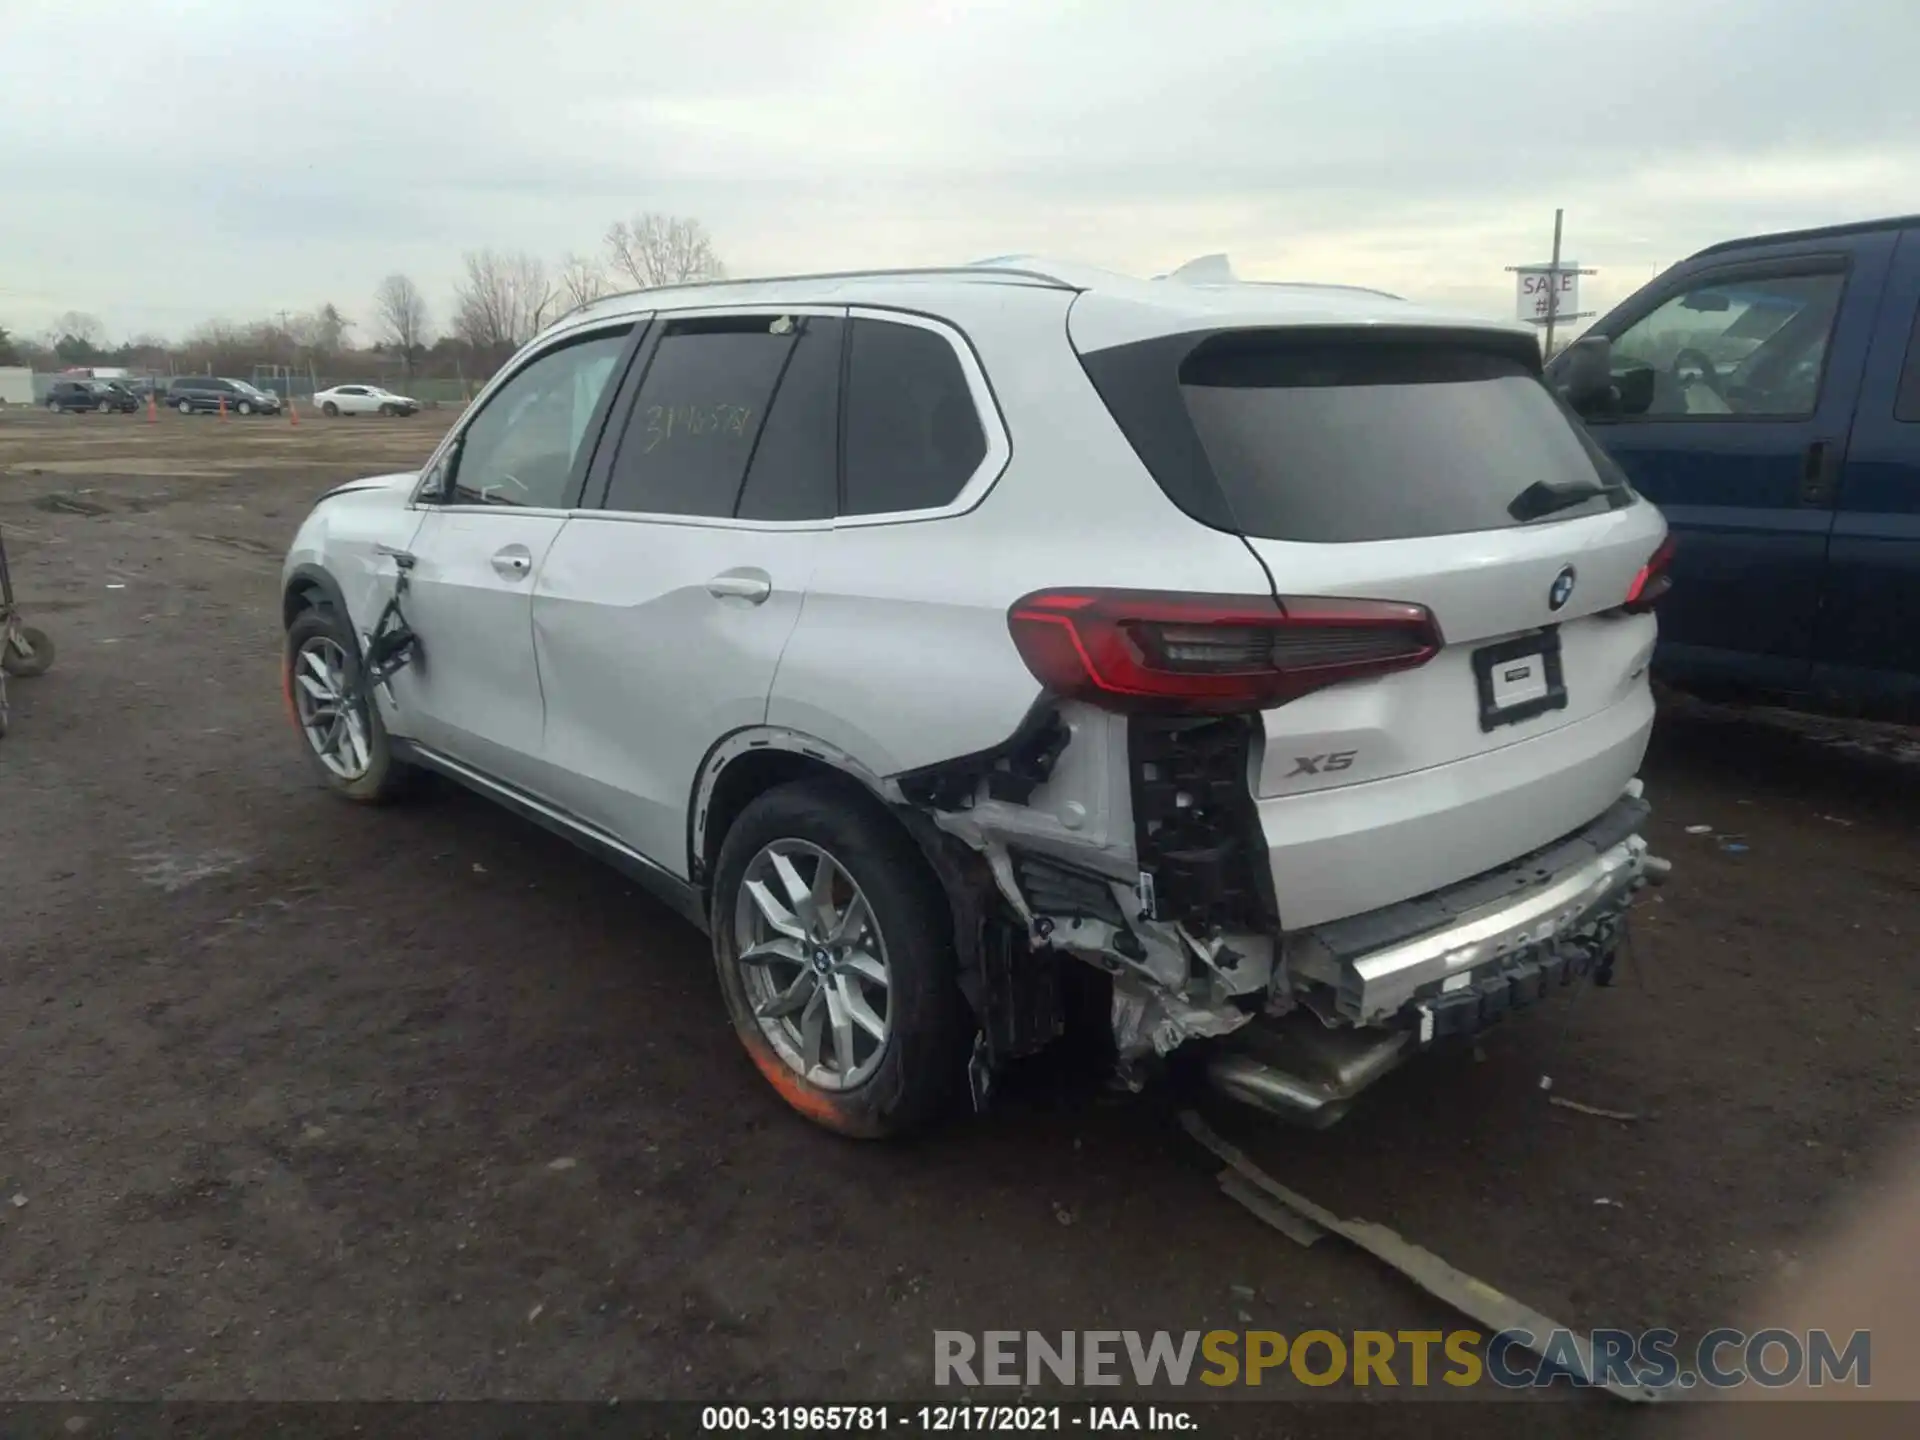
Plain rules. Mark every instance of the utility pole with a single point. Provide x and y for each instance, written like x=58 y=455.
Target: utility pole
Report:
x=1553 y=281
x=1549 y=313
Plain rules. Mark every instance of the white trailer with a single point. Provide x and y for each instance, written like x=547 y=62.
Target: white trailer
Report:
x=16 y=385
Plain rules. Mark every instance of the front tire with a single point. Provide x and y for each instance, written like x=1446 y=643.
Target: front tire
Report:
x=37 y=661
x=185 y=407
x=245 y=407
x=834 y=948
x=388 y=411
x=343 y=735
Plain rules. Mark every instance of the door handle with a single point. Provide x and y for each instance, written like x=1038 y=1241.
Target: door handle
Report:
x=751 y=586
x=513 y=562
x=1820 y=474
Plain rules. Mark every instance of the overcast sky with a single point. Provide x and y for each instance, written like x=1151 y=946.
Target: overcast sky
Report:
x=175 y=160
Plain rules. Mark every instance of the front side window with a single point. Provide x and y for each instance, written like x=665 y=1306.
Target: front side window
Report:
x=1906 y=406
x=1752 y=346
x=702 y=417
x=913 y=433
x=522 y=447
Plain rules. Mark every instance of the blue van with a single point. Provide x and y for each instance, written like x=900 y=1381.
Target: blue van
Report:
x=1765 y=394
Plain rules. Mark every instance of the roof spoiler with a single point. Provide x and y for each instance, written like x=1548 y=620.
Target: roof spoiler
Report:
x=1203 y=270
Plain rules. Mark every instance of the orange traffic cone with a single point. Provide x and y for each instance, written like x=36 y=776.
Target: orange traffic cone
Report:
x=153 y=410
x=293 y=411
x=223 y=409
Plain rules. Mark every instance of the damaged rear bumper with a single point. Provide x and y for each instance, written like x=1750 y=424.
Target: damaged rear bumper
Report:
x=1560 y=925
x=1488 y=942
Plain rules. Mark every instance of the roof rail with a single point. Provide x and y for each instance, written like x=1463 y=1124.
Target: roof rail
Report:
x=1325 y=285
x=984 y=268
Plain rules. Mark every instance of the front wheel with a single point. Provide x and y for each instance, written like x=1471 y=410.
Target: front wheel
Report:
x=27 y=652
x=344 y=736
x=53 y=407
x=388 y=411
x=185 y=407
x=245 y=407
x=834 y=948
x=104 y=406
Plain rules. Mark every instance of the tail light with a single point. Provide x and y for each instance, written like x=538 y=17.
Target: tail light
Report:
x=1652 y=582
x=1211 y=654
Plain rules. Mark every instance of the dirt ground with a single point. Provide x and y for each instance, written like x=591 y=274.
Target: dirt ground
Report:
x=306 y=1101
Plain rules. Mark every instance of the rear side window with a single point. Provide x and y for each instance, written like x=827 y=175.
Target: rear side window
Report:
x=699 y=411
x=1342 y=439
x=913 y=434
x=794 y=471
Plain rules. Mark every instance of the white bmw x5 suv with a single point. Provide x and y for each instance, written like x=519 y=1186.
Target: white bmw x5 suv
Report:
x=1255 y=667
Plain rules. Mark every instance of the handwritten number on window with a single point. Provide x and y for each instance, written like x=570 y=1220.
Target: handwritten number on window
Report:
x=676 y=422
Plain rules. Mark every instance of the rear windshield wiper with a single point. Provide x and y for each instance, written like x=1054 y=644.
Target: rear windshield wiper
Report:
x=1546 y=497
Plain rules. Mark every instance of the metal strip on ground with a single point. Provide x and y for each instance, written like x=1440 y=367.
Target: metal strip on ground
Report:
x=1473 y=1298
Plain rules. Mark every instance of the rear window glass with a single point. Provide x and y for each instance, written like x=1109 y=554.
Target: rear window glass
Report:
x=1337 y=440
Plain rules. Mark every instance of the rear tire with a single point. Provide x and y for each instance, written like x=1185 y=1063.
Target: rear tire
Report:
x=53 y=407
x=910 y=1077
x=330 y=410
x=185 y=407
x=317 y=641
x=38 y=663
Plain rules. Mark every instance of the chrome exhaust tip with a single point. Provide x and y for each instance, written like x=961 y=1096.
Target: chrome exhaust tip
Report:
x=1309 y=1076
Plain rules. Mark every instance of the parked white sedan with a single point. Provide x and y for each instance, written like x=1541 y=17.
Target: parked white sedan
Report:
x=363 y=400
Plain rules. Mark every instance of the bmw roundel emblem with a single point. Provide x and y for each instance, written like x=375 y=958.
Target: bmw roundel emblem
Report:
x=1561 y=590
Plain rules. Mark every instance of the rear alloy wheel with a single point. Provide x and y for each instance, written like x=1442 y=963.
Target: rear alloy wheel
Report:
x=834 y=948
x=53 y=407
x=343 y=732
x=330 y=410
x=185 y=407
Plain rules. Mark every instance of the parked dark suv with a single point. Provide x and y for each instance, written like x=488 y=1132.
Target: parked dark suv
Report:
x=203 y=394
x=101 y=395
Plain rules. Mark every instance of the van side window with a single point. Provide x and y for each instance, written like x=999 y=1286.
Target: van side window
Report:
x=1751 y=347
x=1906 y=404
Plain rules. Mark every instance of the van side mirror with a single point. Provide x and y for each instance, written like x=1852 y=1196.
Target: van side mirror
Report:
x=1586 y=376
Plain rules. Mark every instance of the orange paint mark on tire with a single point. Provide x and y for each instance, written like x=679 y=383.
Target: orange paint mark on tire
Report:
x=794 y=1090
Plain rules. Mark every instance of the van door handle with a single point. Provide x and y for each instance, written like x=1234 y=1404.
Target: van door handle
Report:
x=1820 y=474
x=513 y=562
x=752 y=586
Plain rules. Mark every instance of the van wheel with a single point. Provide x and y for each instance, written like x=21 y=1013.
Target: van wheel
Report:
x=344 y=736
x=185 y=407
x=245 y=407
x=834 y=947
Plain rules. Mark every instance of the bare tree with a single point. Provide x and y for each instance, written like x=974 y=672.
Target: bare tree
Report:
x=503 y=300
x=582 y=281
x=77 y=325
x=656 y=249
x=400 y=318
